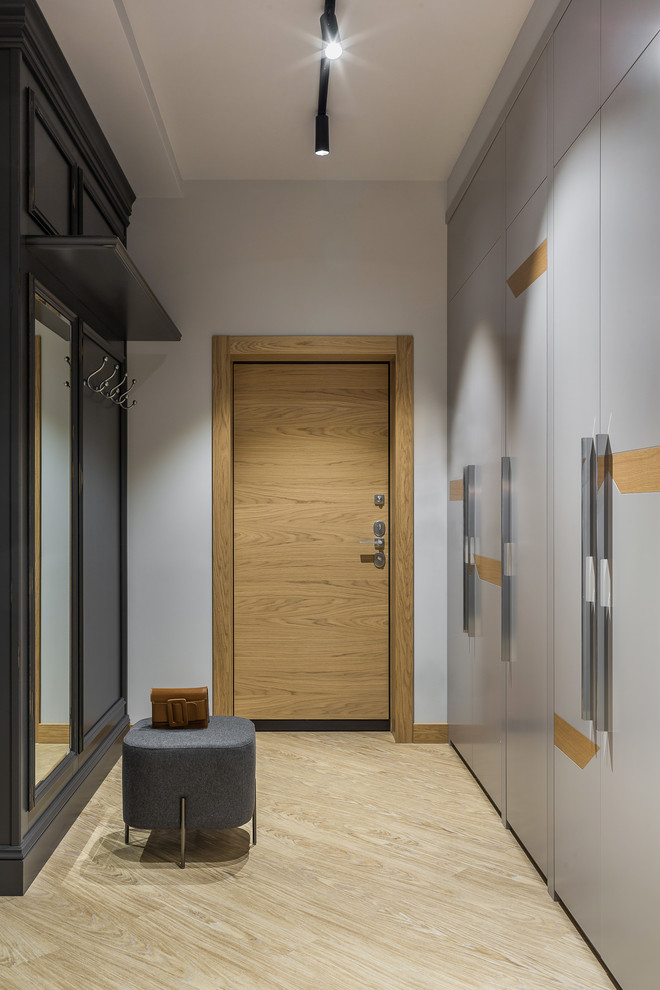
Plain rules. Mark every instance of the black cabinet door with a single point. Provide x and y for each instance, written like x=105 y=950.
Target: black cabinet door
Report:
x=101 y=575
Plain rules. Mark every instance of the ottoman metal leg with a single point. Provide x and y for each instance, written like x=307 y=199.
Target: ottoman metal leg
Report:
x=125 y=834
x=254 y=824
x=183 y=833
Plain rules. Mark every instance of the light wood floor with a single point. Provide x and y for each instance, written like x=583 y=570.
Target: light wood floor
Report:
x=378 y=866
x=46 y=758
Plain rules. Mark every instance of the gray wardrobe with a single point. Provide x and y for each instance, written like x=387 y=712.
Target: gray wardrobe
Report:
x=554 y=458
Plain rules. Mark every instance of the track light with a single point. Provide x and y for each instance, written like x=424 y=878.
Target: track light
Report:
x=331 y=50
x=322 y=134
x=330 y=32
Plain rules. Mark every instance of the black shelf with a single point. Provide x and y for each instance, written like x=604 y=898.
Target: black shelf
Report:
x=100 y=272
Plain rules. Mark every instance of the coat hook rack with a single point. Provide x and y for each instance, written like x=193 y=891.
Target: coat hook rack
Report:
x=111 y=393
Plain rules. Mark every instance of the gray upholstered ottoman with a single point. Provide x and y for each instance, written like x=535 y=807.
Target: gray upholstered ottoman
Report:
x=190 y=778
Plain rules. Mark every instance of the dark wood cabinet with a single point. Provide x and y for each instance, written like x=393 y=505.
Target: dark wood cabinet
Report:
x=69 y=299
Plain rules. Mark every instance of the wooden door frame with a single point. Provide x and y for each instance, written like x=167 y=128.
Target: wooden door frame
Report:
x=397 y=352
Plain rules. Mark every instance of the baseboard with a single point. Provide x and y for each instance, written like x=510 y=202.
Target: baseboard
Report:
x=321 y=725
x=430 y=732
x=20 y=864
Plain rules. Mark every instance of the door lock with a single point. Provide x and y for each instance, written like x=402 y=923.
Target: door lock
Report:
x=379 y=500
x=379 y=528
x=379 y=560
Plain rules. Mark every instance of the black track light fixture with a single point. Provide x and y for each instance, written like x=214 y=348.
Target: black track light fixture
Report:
x=331 y=50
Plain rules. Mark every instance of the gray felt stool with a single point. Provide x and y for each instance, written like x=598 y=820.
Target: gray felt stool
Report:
x=194 y=778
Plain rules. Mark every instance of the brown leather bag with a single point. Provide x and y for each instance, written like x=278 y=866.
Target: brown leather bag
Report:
x=180 y=708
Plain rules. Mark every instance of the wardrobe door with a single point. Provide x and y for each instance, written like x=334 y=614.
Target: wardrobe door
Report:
x=487 y=346
x=576 y=75
x=476 y=395
x=526 y=132
x=627 y=28
x=102 y=632
x=526 y=432
x=459 y=642
x=630 y=413
x=479 y=218
x=576 y=205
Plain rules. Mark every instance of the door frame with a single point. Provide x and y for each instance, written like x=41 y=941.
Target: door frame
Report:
x=397 y=352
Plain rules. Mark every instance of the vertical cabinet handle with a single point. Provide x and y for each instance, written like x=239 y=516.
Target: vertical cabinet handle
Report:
x=604 y=582
x=589 y=466
x=506 y=556
x=469 y=534
x=466 y=552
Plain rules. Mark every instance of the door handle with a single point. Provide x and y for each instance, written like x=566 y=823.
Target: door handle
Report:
x=588 y=536
x=604 y=589
x=469 y=527
x=506 y=557
x=605 y=584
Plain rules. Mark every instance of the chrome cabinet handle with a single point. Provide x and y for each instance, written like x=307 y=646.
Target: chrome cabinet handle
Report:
x=466 y=552
x=506 y=556
x=604 y=582
x=469 y=534
x=588 y=531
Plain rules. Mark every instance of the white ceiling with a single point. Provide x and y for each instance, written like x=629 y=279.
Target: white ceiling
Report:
x=208 y=89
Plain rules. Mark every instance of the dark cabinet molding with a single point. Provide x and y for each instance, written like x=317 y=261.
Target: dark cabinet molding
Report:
x=23 y=26
x=52 y=174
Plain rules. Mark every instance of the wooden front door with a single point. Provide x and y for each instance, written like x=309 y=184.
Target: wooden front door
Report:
x=311 y=609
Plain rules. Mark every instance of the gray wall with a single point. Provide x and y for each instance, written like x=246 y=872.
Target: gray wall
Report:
x=273 y=258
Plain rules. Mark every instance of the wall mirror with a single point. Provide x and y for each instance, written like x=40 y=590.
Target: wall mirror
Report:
x=53 y=624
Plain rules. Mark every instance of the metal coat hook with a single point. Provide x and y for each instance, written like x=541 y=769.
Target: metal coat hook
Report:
x=120 y=401
x=114 y=391
x=105 y=384
x=87 y=381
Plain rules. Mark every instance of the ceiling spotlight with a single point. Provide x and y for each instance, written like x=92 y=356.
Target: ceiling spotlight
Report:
x=330 y=31
x=322 y=134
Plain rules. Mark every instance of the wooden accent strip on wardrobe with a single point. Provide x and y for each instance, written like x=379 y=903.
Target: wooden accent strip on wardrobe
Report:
x=530 y=270
x=430 y=732
x=573 y=744
x=637 y=470
x=489 y=570
x=456 y=491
